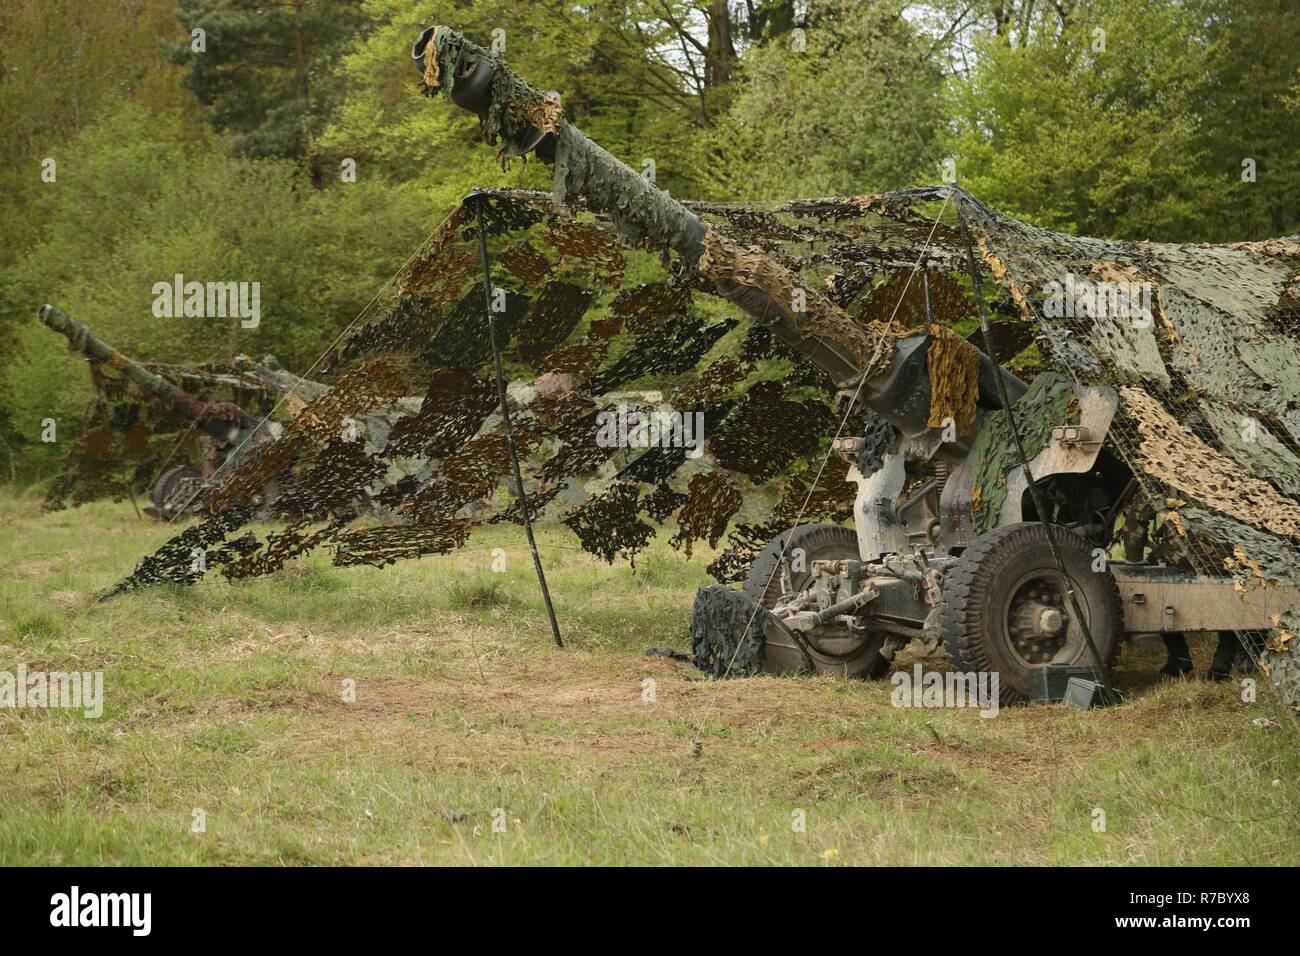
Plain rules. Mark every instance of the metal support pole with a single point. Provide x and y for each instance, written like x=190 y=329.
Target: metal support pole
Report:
x=510 y=434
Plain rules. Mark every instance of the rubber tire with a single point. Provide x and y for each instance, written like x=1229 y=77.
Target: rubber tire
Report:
x=167 y=483
x=976 y=589
x=820 y=542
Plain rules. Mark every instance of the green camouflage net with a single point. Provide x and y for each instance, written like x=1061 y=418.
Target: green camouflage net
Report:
x=1199 y=342
x=1050 y=401
x=1200 y=336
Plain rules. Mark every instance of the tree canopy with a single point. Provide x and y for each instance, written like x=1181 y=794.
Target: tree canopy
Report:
x=287 y=142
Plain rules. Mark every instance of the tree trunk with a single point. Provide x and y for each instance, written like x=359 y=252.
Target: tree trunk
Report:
x=720 y=61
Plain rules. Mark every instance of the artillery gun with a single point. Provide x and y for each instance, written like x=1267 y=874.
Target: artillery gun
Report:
x=1037 y=588
x=230 y=431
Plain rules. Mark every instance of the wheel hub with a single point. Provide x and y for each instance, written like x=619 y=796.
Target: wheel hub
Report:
x=1036 y=619
x=1048 y=622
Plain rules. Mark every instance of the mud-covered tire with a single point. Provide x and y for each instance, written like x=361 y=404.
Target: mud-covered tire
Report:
x=175 y=489
x=819 y=542
x=980 y=594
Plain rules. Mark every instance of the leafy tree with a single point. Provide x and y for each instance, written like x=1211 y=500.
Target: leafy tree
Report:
x=1248 y=114
x=61 y=62
x=62 y=65
x=264 y=71
x=164 y=207
x=852 y=104
x=1091 y=121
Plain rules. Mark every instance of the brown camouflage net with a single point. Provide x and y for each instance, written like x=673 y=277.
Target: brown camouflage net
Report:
x=713 y=500
x=725 y=262
x=579 y=344
x=1217 y=352
x=953 y=366
x=1173 y=454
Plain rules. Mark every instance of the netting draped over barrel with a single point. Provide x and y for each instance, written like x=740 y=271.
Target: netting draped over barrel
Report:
x=639 y=398
x=1199 y=341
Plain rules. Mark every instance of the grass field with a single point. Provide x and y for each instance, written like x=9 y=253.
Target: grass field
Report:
x=229 y=699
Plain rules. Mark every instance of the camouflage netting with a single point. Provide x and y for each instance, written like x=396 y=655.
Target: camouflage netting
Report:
x=1209 y=384
x=593 y=328
x=1050 y=401
x=727 y=633
x=1201 y=343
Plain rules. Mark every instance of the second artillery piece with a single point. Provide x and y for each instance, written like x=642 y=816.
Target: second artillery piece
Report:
x=229 y=431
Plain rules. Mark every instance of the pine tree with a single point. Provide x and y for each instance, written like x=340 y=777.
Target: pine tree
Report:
x=265 y=71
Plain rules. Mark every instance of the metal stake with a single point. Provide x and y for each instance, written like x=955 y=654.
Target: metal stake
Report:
x=505 y=417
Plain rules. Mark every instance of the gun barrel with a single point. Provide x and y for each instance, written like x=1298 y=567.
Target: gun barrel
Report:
x=467 y=74
x=889 y=368
x=79 y=335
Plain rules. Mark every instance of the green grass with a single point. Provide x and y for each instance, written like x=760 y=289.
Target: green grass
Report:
x=228 y=698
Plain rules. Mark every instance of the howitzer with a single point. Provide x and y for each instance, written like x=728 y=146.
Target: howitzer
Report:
x=1014 y=593
x=231 y=430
